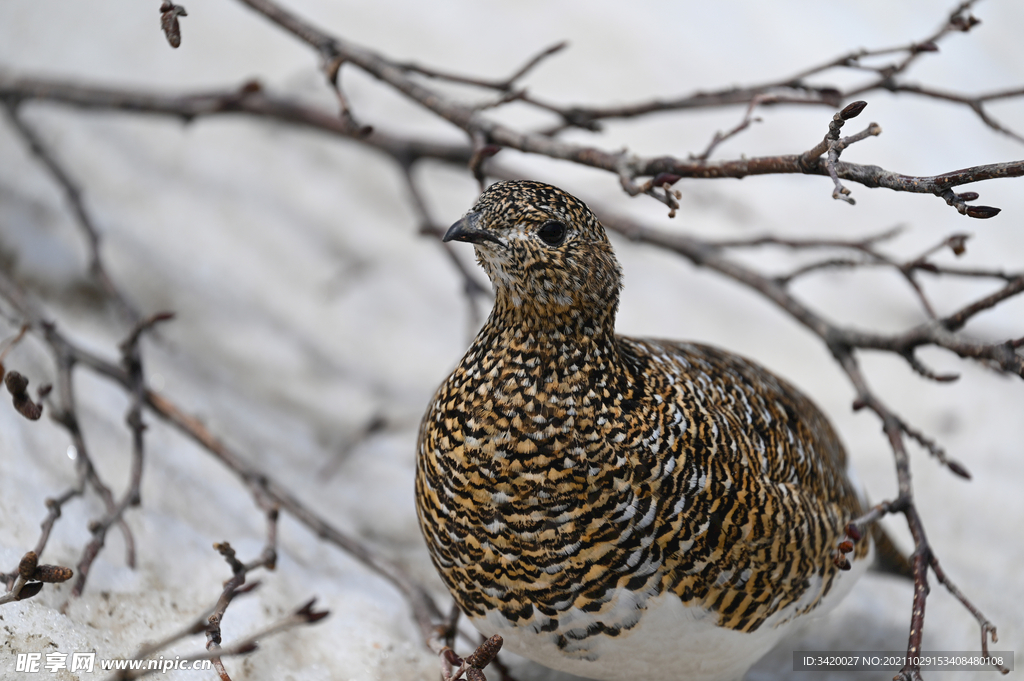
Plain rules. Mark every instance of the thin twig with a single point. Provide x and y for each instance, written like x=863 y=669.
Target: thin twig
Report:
x=748 y=118
x=73 y=193
x=471 y=288
x=257 y=103
x=987 y=628
x=624 y=165
x=132 y=362
x=504 y=85
x=263 y=487
x=303 y=615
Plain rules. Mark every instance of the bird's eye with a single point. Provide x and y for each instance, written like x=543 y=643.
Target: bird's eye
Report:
x=552 y=233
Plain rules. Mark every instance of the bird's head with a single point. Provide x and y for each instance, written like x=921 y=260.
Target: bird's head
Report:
x=544 y=251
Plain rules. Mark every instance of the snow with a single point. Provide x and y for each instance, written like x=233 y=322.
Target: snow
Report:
x=307 y=303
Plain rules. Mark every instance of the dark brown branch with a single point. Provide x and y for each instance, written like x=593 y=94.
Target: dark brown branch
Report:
x=73 y=193
x=922 y=556
x=748 y=118
x=906 y=268
x=795 y=90
x=932 y=333
x=956 y=321
x=772 y=240
x=424 y=609
x=67 y=416
x=264 y=488
x=471 y=288
x=332 y=71
x=987 y=628
x=503 y=85
x=301 y=616
x=249 y=100
x=16 y=581
x=132 y=362
x=268 y=559
x=976 y=103
x=626 y=166
x=453 y=667
x=30 y=577
x=252 y=101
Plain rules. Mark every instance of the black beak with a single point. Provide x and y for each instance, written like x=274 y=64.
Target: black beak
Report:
x=466 y=230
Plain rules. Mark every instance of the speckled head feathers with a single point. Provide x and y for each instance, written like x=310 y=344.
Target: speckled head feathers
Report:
x=542 y=248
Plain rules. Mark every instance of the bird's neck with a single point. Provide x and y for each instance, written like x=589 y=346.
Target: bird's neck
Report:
x=552 y=320
x=543 y=394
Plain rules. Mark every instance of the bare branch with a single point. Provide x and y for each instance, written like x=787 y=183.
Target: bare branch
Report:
x=796 y=91
x=251 y=100
x=504 y=85
x=976 y=103
x=748 y=118
x=74 y=197
x=30 y=577
x=471 y=288
x=987 y=628
x=264 y=488
x=626 y=166
x=301 y=616
x=132 y=362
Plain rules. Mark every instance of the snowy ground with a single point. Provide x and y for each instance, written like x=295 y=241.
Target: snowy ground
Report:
x=307 y=302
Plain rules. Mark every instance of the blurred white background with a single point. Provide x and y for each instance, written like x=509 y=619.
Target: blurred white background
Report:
x=307 y=303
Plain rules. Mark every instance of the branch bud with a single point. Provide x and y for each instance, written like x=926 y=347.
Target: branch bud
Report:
x=487 y=651
x=982 y=212
x=27 y=566
x=852 y=110
x=665 y=178
x=958 y=469
x=169 y=13
x=18 y=387
x=53 y=574
x=16 y=383
x=309 y=614
x=964 y=23
x=29 y=590
x=957 y=243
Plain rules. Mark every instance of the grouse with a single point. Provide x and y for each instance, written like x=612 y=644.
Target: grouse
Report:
x=613 y=507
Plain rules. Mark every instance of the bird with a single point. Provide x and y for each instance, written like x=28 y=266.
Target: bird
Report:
x=617 y=507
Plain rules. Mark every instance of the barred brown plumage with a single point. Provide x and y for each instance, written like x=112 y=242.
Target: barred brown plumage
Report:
x=617 y=507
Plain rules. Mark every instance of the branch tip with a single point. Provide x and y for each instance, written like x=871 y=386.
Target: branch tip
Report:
x=169 y=13
x=957 y=468
x=982 y=212
x=852 y=110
